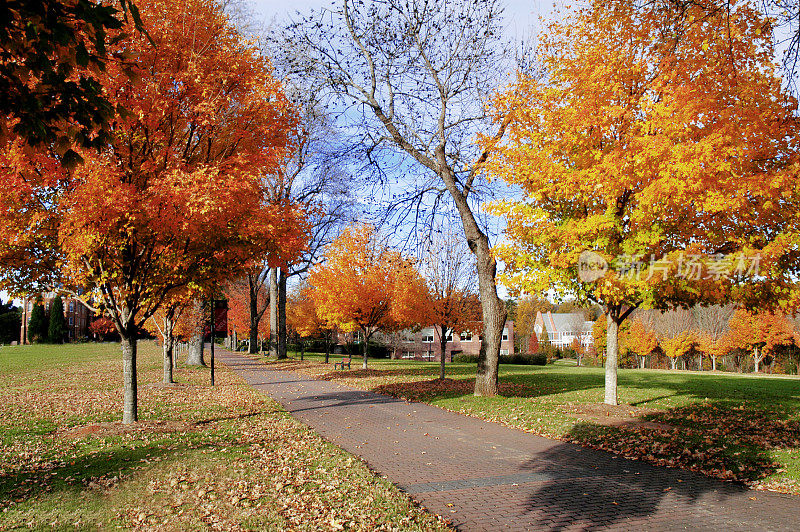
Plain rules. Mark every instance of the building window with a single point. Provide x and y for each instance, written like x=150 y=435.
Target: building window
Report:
x=72 y=306
x=427 y=336
x=504 y=351
x=71 y=321
x=466 y=336
x=408 y=354
x=505 y=335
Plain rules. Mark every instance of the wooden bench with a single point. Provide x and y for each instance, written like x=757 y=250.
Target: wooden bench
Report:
x=344 y=362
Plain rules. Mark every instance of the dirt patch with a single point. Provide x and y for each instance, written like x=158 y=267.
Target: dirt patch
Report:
x=116 y=428
x=615 y=416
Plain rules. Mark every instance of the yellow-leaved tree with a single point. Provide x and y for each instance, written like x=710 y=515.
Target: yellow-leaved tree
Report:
x=654 y=139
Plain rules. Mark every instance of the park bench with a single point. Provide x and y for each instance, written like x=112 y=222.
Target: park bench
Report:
x=342 y=363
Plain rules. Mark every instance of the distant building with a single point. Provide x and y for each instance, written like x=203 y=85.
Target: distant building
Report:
x=76 y=316
x=425 y=344
x=563 y=328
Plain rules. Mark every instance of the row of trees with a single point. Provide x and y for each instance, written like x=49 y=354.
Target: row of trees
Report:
x=709 y=333
x=47 y=326
x=172 y=193
x=365 y=286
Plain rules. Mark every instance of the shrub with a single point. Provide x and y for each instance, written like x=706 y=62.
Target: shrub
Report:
x=467 y=359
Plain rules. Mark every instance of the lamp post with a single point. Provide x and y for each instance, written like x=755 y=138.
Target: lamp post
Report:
x=213 y=327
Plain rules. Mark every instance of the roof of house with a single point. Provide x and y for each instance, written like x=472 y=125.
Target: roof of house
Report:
x=565 y=322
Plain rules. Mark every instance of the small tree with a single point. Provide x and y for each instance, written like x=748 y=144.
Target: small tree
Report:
x=38 y=325
x=57 y=328
x=641 y=340
x=102 y=327
x=365 y=286
x=679 y=346
x=761 y=333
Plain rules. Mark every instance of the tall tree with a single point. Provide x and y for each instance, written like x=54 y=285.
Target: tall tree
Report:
x=655 y=132
x=38 y=325
x=10 y=322
x=176 y=199
x=53 y=55
x=364 y=285
x=414 y=75
x=57 y=328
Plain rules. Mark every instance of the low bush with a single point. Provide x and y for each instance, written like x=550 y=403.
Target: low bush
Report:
x=534 y=359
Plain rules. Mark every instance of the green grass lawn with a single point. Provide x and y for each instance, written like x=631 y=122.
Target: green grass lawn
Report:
x=729 y=426
x=226 y=458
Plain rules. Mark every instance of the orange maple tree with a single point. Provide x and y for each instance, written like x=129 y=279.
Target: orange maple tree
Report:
x=640 y=340
x=759 y=332
x=656 y=131
x=364 y=285
x=175 y=201
x=302 y=316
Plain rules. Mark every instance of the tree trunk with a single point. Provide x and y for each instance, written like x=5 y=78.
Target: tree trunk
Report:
x=273 y=312
x=673 y=363
x=169 y=345
x=195 y=356
x=494 y=316
x=493 y=308
x=612 y=352
x=756 y=359
x=255 y=319
x=443 y=347
x=366 y=350
x=282 y=336
x=327 y=346
x=713 y=362
x=130 y=413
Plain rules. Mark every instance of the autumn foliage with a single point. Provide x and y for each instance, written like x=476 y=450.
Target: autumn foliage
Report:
x=653 y=131
x=176 y=200
x=366 y=286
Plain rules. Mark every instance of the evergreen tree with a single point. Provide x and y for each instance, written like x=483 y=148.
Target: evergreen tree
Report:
x=544 y=342
x=58 y=326
x=10 y=322
x=37 y=326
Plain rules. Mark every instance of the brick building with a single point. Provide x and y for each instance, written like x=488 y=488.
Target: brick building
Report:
x=425 y=344
x=76 y=316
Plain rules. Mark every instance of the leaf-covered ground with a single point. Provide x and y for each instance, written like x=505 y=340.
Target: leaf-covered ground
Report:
x=727 y=426
x=225 y=458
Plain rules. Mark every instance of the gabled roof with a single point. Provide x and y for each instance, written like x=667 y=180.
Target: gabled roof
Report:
x=565 y=322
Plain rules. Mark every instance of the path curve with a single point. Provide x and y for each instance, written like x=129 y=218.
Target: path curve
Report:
x=485 y=476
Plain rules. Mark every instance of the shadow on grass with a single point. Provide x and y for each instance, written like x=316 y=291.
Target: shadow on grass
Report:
x=724 y=439
x=74 y=474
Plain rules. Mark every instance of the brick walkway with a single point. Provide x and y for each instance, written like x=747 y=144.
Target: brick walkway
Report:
x=484 y=476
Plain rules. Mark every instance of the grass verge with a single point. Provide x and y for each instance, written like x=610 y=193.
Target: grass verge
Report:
x=224 y=458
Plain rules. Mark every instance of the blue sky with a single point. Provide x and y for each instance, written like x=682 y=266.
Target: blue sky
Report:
x=520 y=14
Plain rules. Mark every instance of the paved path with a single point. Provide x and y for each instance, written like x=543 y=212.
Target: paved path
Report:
x=484 y=476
